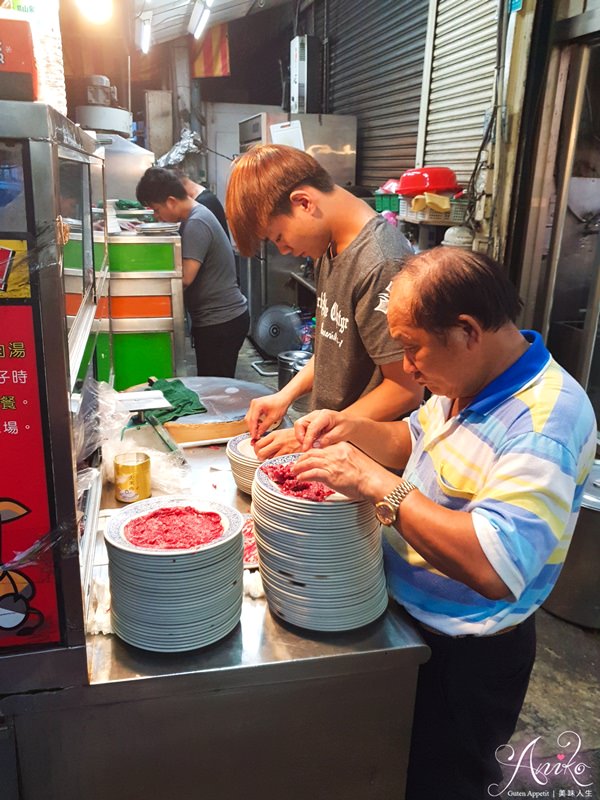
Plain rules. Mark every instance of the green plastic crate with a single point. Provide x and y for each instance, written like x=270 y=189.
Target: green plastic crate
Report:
x=387 y=202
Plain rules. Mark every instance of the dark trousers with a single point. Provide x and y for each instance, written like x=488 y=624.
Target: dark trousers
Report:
x=217 y=346
x=469 y=696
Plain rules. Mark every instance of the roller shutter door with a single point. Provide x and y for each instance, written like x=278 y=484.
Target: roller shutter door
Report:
x=377 y=50
x=462 y=82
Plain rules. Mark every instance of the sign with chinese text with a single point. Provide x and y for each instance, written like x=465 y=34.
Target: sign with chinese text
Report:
x=28 y=603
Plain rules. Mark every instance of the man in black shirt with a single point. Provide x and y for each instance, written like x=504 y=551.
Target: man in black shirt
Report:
x=204 y=196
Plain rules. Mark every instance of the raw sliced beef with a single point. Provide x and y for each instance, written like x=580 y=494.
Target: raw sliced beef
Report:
x=176 y=528
x=282 y=475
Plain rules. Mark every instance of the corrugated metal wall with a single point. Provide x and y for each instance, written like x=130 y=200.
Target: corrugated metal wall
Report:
x=377 y=51
x=462 y=80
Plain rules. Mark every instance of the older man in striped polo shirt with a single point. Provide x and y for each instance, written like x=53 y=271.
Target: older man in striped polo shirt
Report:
x=479 y=526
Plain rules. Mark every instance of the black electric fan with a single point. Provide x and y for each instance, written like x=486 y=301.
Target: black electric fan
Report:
x=277 y=329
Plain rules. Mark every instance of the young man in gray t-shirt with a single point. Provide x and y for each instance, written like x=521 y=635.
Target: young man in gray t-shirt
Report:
x=283 y=194
x=217 y=308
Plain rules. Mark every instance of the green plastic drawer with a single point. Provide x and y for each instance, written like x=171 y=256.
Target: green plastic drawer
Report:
x=131 y=257
x=138 y=356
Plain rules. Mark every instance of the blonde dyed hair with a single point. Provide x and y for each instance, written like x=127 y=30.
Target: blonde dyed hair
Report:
x=259 y=188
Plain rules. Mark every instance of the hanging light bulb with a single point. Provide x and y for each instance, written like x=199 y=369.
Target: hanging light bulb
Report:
x=97 y=11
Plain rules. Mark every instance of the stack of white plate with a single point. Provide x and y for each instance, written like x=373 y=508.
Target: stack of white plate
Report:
x=243 y=461
x=175 y=600
x=321 y=562
x=158 y=228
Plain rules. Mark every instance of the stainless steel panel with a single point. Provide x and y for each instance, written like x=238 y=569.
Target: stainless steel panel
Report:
x=104 y=118
x=79 y=333
x=144 y=276
x=331 y=139
x=178 y=311
x=141 y=324
x=88 y=539
x=126 y=162
x=576 y=594
x=279 y=735
x=41 y=122
x=140 y=288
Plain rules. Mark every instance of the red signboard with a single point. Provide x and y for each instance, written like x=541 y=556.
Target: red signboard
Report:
x=28 y=603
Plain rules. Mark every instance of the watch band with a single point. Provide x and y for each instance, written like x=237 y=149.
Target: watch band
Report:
x=386 y=510
x=397 y=495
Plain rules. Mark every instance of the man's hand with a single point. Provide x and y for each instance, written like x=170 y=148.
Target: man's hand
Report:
x=322 y=428
x=277 y=443
x=264 y=413
x=347 y=470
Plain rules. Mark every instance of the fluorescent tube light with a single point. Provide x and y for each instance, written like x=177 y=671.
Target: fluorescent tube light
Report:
x=199 y=17
x=202 y=24
x=146 y=31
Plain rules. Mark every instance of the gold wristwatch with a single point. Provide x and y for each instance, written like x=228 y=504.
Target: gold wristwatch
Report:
x=386 y=510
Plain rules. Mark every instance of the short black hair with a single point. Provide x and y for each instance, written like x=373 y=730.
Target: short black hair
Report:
x=449 y=282
x=157 y=184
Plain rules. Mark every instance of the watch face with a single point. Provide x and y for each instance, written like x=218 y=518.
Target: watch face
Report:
x=385 y=512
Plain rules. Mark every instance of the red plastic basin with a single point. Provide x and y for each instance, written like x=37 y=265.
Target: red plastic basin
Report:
x=428 y=179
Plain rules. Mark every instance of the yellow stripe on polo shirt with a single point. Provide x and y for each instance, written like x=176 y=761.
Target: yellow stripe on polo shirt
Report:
x=547 y=506
x=541 y=398
x=507 y=479
x=406 y=551
x=459 y=476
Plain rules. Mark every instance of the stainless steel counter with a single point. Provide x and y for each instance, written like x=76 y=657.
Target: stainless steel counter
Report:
x=260 y=638
x=269 y=712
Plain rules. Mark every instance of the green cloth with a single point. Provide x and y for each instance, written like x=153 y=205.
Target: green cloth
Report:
x=126 y=205
x=183 y=400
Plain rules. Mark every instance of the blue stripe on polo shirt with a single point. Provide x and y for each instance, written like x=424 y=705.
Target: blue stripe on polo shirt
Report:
x=578 y=497
x=455 y=597
x=525 y=552
x=548 y=575
x=533 y=360
x=541 y=446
